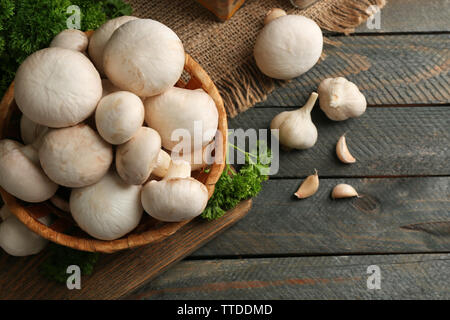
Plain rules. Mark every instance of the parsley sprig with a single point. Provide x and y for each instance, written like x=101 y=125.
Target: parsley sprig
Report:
x=233 y=187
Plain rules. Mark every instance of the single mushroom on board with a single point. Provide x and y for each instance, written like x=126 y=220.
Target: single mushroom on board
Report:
x=17 y=240
x=75 y=157
x=136 y=158
x=57 y=87
x=182 y=115
x=108 y=209
x=177 y=197
x=341 y=99
x=100 y=38
x=21 y=174
x=128 y=67
x=119 y=116
x=288 y=45
x=71 y=39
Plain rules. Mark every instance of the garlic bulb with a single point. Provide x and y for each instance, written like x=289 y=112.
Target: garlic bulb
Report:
x=296 y=129
x=341 y=99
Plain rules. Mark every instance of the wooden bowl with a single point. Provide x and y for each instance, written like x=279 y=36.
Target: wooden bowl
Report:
x=64 y=230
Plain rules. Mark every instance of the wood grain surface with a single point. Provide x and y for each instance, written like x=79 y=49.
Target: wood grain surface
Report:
x=392 y=216
x=412 y=16
x=395 y=69
x=393 y=141
x=339 y=277
x=116 y=274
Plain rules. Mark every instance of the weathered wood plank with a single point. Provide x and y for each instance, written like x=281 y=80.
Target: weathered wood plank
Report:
x=392 y=216
x=412 y=16
x=385 y=142
x=342 y=277
x=403 y=69
x=116 y=274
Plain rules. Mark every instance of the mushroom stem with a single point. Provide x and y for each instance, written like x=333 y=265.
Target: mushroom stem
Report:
x=178 y=169
x=273 y=14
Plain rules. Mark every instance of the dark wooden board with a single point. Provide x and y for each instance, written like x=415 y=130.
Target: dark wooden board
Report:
x=342 y=277
x=117 y=274
x=399 y=69
x=412 y=16
x=385 y=141
x=392 y=216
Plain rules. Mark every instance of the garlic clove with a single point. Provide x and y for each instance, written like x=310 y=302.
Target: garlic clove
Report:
x=273 y=14
x=342 y=151
x=308 y=187
x=343 y=190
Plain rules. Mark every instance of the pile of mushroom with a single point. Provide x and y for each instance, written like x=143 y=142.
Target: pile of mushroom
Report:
x=102 y=116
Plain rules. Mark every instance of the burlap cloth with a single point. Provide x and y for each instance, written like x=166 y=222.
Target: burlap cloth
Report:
x=224 y=49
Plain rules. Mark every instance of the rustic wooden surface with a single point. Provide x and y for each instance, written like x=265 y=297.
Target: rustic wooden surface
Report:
x=344 y=277
x=116 y=274
x=319 y=248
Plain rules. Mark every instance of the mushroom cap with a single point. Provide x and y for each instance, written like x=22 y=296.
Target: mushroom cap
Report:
x=100 y=38
x=30 y=130
x=57 y=87
x=144 y=56
x=118 y=116
x=108 y=209
x=75 y=157
x=177 y=197
x=71 y=39
x=17 y=240
x=199 y=158
x=177 y=108
x=288 y=47
x=21 y=175
x=174 y=200
x=136 y=158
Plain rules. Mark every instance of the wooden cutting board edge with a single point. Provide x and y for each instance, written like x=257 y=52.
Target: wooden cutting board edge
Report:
x=116 y=275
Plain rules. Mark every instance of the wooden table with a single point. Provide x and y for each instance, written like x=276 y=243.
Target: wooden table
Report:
x=320 y=248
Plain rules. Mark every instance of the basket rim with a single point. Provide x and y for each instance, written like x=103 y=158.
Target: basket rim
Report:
x=199 y=78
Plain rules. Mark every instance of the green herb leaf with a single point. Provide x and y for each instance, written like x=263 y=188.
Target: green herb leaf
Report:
x=233 y=187
x=55 y=266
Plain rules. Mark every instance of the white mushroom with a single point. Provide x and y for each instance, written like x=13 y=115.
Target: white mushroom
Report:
x=108 y=209
x=119 y=116
x=288 y=46
x=21 y=174
x=144 y=56
x=101 y=36
x=57 y=87
x=136 y=159
x=177 y=197
x=17 y=240
x=71 y=39
x=60 y=203
x=182 y=115
x=162 y=164
x=341 y=99
x=30 y=130
x=75 y=157
x=198 y=159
